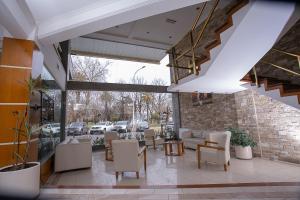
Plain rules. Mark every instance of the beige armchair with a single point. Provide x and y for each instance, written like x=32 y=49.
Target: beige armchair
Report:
x=151 y=139
x=108 y=137
x=128 y=157
x=216 y=149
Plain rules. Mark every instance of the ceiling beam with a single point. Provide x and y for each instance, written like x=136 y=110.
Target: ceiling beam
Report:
x=17 y=19
x=110 y=56
x=125 y=40
x=117 y=87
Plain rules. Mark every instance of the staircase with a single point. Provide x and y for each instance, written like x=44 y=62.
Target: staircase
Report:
x=230 y=47
x=279 y=90
x=220 y=21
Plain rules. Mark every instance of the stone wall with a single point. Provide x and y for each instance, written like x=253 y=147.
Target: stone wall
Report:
x=274 y=124
x=277 y=124
x=218 y=115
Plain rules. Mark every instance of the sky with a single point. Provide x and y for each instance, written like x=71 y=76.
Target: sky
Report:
x=124 y=70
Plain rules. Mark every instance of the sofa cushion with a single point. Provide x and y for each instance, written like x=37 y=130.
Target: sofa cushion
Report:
x=197 y=134
x=193 y=140
x=73 y=141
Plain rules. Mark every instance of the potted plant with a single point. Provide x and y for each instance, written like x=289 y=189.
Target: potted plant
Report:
x=242 y=143
x=98 y=144
x=22 y=179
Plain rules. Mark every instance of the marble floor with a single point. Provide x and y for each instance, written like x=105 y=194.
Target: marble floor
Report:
x=166 y=172
x=263 y=192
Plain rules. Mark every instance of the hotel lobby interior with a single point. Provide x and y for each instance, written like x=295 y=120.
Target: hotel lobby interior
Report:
x=148 y=99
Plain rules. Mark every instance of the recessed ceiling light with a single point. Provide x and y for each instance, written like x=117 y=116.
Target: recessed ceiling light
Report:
x=171 y=21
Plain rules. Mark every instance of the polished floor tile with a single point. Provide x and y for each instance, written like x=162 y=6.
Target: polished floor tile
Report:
x=262 y=192
x=182 y=170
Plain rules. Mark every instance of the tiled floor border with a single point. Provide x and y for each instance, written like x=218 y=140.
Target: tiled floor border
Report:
x=218 y=185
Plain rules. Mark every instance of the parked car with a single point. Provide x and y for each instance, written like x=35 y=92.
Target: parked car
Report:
x=53 y=128
x=100 y=127
x=77 y=128
x=143 y=125
x=122 y=126
x=170 y=126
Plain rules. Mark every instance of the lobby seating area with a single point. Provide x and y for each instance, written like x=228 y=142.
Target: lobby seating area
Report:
x=149 y=99
x=170 y=171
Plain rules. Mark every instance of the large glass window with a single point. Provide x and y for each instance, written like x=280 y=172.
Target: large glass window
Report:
x=93 y=113
x=50 y=118
x=120 y=71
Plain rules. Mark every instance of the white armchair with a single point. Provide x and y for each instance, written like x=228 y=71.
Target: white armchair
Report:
x=151 y=139
x=216 y=149
x=128 y=157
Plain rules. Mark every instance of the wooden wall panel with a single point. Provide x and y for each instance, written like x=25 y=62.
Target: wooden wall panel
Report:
x=6 y=153
x=17 y=52
x=13 y=85
x=8 y=122
x=15 y=70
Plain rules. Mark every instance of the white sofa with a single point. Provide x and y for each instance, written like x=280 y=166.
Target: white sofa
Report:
x=73 y=154
x=191 y=138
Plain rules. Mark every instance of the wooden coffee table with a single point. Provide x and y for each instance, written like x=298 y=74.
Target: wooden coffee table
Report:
x=169 y=148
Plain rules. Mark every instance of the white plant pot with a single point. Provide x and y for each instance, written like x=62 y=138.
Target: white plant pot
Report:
x=243 y=152
x=23 y=183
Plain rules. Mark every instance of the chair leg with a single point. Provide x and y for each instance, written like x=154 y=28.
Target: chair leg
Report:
x=228 y=163
x=122 y=173
x=199 y=159
x=145 y=161
x=137 y=175
x=117 y=175
x=225 y=167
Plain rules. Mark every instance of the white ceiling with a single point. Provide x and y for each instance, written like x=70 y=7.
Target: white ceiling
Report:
x=44 y=10
x=150 y=36
x=156 y=29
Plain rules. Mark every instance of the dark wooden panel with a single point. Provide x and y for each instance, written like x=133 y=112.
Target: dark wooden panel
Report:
x=47 y=169
x=93 y=86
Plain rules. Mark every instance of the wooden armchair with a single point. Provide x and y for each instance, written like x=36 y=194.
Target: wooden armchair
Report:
x=216 y=149
x=108 y=138
x=151 y=140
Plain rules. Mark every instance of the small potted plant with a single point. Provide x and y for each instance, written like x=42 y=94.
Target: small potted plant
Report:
x=242 y=142
x=98 y=144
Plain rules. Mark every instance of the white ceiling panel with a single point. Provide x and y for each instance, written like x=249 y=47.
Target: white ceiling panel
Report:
x=92 y=47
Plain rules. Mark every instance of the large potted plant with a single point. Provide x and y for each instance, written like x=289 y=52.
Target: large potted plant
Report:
x=242 y=143
x=22 y=179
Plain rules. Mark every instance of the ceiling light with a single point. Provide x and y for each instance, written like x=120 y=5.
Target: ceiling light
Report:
x=171 y=21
